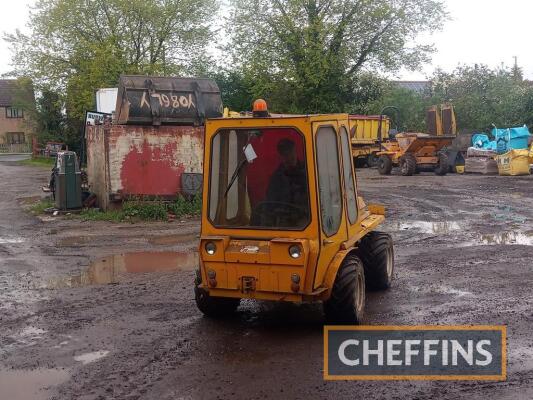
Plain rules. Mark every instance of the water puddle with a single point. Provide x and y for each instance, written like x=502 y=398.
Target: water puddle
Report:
x=32 y=332
x=88 y=358
x=440 y=289
x=11 y=240
x=28 y=336
x=173 y=239
x=441 y=227
x=30 y=384
x=113 y=269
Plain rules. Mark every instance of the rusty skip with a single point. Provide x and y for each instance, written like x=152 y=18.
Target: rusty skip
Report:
x=150 y=100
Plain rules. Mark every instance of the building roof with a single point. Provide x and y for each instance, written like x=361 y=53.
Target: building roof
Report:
x=9 y=88
x=415 y=86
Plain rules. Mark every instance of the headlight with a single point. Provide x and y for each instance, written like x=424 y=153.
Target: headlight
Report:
x=295 y=251
x=210 y=248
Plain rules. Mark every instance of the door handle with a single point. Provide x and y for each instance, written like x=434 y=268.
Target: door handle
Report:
x=325 y=242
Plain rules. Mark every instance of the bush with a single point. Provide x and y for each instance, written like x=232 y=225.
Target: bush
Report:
x=141 y=210
x=154 y=211
x=182 y=206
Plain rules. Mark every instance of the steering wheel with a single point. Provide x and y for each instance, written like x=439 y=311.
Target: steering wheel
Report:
x=268 y=213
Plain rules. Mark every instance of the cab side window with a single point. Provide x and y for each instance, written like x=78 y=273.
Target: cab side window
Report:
x=329 y=180
x=349 y=185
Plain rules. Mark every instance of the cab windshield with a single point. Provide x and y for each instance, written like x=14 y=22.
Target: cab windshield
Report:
x=258 y=179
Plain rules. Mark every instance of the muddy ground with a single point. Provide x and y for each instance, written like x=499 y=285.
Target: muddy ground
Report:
x=82 y=318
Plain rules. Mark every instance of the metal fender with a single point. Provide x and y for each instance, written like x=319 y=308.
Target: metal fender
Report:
x=331 y=273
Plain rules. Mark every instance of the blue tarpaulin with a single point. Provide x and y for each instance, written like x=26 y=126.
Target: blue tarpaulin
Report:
x=505 y=139
x=511 y=138
x=480 y=140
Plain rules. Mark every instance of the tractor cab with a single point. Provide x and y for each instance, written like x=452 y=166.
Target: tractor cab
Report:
x=282 y=219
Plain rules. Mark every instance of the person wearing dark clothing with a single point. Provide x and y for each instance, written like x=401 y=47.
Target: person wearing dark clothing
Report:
x=288 y=183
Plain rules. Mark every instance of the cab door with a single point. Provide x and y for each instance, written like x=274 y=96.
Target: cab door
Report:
x=349 y=181
x=328 y=162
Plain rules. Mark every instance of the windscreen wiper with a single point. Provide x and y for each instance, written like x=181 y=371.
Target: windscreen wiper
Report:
x=234 y=176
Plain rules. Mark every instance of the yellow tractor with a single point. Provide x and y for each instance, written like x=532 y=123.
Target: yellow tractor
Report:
x=282 y=219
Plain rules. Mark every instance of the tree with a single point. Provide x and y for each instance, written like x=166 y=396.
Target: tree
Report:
x=483 y=96
x=411 y=106
x=77 y=46
x=235 y=88
x=306 y=56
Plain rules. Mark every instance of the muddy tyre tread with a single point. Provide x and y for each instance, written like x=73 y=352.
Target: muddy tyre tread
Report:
x=340 y=307
x=443 y=165
x=408 y=165
x=384 y=165
x=213 y=307
x=373 y=253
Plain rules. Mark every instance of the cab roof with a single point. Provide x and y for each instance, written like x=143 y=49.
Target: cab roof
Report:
x=250 y=116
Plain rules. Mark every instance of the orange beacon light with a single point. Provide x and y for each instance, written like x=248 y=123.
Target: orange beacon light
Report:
x=260 y=108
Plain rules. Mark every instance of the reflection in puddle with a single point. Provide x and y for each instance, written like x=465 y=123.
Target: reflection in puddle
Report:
x=508 y=238
x=88 y=358
x=441 y=227
x=29 y=385
x=173 y=239
x=111 y=269
x=440 y=289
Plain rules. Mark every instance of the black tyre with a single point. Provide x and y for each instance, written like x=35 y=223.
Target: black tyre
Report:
x=359 y=162
x=408 y=164
x=376 y=251
x=346 y=304
x=214 y=307
x=372 y=160
x=384 y=165
x=443 y=165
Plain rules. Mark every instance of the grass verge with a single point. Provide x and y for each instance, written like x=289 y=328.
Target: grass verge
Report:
x=39 y=207
x=140 y=210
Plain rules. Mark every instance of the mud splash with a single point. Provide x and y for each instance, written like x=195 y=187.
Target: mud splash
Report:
x=113 y=269
x=30 y=384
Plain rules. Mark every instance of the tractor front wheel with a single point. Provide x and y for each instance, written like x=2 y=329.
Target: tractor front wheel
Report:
x=376 y=251
x=408 y=165
x=384 y=165
x=443 y=165
x=346 y=304
x=214 y=307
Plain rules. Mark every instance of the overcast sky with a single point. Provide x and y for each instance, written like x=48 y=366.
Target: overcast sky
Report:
x=481 y=31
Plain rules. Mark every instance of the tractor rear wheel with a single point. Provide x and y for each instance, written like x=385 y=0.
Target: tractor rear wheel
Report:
x=214 y=307
x=442 y=166
x=384 y=165
x=376 y=251
x=408 y=164
x=346 y=304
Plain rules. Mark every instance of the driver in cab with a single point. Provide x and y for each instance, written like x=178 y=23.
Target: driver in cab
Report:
x=288 y=183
